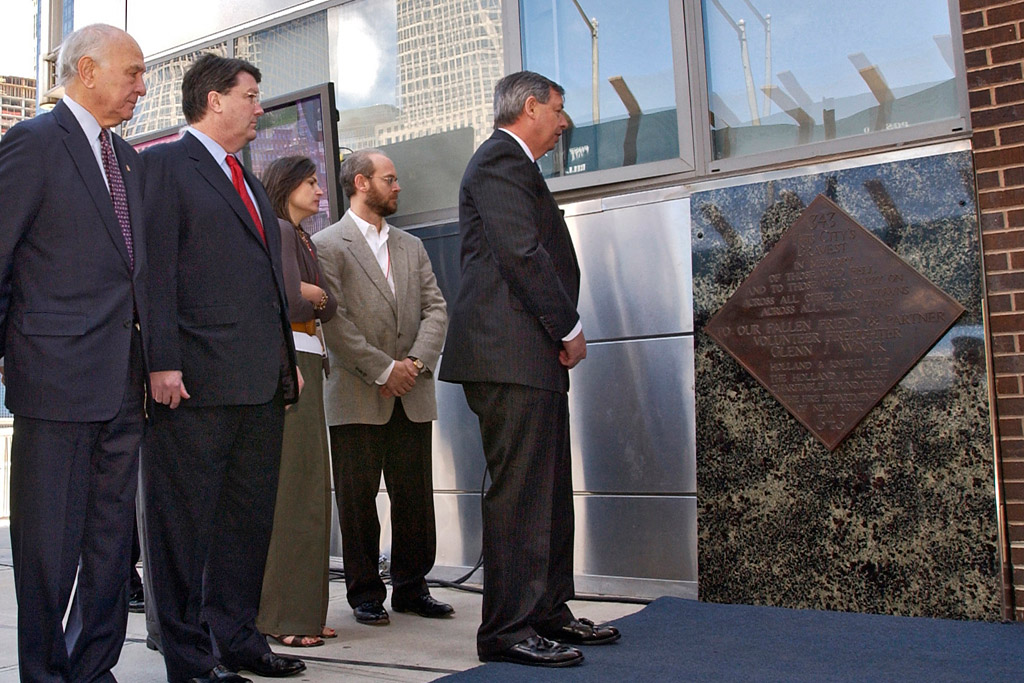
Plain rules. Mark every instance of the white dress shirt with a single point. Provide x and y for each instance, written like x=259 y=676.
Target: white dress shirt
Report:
x=378 y=243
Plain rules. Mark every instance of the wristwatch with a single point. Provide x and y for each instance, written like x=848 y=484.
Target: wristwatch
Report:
x=417 y=362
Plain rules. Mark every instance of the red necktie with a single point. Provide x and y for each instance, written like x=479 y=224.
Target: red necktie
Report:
x=239 y=182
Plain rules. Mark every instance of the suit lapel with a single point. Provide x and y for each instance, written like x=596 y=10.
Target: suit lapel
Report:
x=215 y=175
x=360 y=250
x=81 y=153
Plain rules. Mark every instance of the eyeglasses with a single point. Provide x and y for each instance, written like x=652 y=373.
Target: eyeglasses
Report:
x=389 y=179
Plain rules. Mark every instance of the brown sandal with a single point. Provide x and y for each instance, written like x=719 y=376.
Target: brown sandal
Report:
x=298 y=641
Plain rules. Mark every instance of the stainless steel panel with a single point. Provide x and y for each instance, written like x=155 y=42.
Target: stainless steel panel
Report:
x=635 y=270
x=458 y=456
x=631 y=407
x=645 y=537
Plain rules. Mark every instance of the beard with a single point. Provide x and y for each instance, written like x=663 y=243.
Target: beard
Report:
x=383 y=204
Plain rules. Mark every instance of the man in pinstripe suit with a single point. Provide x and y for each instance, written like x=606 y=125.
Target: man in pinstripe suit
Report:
x=514 y=334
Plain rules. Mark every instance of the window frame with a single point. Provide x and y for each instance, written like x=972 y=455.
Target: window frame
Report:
x=915 y=135
x=684 y=165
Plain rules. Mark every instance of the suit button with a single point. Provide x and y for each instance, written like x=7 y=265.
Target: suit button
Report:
x=127 y=324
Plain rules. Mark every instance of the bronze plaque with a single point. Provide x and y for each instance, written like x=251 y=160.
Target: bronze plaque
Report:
x=830 y=320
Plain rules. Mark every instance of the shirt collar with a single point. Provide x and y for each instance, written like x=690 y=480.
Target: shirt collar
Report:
x=90 y=126
x=526 y=148
x=212 y=146
x=369 y=230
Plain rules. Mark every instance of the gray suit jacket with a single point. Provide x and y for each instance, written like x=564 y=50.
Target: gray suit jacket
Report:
x=373 y=326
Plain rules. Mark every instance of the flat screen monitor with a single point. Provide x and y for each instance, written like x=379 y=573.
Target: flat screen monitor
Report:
x=301 y=123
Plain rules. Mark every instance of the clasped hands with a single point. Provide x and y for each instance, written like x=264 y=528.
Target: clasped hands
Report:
x=401 y=380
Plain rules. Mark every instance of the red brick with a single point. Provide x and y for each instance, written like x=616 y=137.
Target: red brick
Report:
x=1018 y=301
x=1015 y=532
x=1015 y=219
x=983 y=139
x=1013 y=469
x=1011 y=427
x=1008 y=365
x=1003 y=241
x=1012 y=177
x=976 y=59
x=1010 y=386
x=1017 y=556
x=1002 y=54
x=980 y=78
x=988 y=180
x=1014 y=491
x=1007 y=94
x=1017 y=263
x=1011 y=135
x=1006 y=324
x=999 y=157
x=993 y=220
x=999 y=303
x=1003 y=199
x=1005 y=14
x=999 y=116
x=990 y=36
x=972 y=21
x=994 y=263
x=979 y=98
x=971 y=5
x=1004 y=343
x=1015 y=511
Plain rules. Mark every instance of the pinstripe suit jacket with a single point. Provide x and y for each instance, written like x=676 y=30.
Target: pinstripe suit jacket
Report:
x=374 y=326
x=520 y=277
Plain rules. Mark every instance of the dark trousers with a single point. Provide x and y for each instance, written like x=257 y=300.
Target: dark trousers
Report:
x=527 y=512
x=209 y=477
x=401 y=449
x=72 y=510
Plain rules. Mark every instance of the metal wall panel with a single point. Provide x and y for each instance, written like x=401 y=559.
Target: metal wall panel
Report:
x=634 y=266
x=631 y=407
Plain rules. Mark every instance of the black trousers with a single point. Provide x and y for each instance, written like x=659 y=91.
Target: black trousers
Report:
x=209 y=477
x=359 y=453
x=527 y=512
x=72 y=512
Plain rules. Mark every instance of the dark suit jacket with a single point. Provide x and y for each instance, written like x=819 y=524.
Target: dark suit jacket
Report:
x=217 y=300
x=67 y=290
x=520 y=278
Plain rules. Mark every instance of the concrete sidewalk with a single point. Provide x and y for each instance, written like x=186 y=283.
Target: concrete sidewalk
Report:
x=409 y=649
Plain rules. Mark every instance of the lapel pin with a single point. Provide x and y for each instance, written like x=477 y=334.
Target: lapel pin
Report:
x=128 y=168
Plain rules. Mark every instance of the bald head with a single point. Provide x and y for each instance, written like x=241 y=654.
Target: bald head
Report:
x=101 y=68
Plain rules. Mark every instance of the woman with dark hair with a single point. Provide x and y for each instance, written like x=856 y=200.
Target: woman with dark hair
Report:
x=293 y=606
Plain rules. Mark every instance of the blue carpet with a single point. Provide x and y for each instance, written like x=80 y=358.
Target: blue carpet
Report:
x=684 y=640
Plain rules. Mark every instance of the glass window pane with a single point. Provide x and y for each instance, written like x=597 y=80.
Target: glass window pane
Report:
x=417 y=80
x=160 y=108
x=783 y=73
x=628 y=65
x=289 y=56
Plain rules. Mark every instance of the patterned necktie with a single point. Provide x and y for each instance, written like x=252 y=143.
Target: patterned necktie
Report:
x=239 y=182
x=117 y=193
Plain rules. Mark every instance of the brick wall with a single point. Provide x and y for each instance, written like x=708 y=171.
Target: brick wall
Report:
x=994 y=50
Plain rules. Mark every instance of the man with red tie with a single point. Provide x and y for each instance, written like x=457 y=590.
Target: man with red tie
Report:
x=222 y=368
x=72 y=332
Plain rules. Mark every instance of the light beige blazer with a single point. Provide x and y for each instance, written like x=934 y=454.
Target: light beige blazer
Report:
x=373 y=326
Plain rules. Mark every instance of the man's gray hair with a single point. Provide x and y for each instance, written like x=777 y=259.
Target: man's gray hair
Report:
x=512 y=91
x=359 y=162
x=88 y=41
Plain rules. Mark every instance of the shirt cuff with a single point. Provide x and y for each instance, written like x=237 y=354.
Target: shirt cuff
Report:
x=383 y=379
x=575 y=331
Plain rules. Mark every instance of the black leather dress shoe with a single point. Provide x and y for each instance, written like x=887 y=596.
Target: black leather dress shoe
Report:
x=272 y=665
x=137 y=603
x=220 y=674
x=537 y=651
x=423 y=605
x=584 y=632
x=372 y=612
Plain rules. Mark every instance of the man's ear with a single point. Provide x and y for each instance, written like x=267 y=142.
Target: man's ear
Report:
x=530 y=107
x=213 y=101
x=87 y=71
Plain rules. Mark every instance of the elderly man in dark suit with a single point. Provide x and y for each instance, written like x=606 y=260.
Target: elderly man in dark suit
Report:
x=385 y=342
x=222 y=368
x=72 y=332
x=513 y=336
